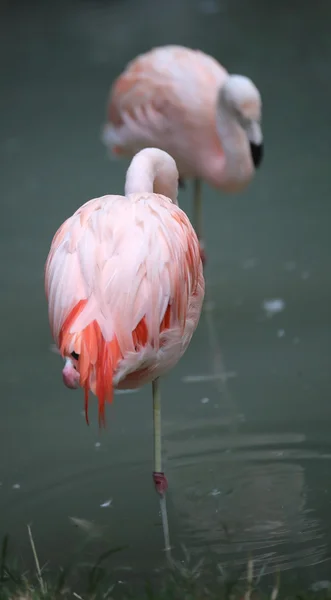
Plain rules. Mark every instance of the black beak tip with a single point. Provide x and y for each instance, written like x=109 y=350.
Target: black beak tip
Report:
x=257 y=152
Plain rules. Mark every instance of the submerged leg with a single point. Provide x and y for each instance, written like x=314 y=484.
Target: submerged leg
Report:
x=197 y=217
x=159 y=478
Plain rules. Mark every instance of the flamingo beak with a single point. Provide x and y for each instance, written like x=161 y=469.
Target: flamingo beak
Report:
x=257 y=151
x=255 y=138
x=70 y=375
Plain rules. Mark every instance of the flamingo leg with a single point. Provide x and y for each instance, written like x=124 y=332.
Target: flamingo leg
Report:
x=197 y=217
x=159 y=478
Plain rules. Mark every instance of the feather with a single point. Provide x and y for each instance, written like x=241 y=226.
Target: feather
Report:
x=121 y=279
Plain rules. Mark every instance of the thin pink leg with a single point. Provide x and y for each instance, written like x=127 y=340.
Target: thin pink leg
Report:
x=159 y=478
x=202 y=253
x=197 y=218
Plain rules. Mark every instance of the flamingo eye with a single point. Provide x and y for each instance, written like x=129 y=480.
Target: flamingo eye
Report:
x=75 y=355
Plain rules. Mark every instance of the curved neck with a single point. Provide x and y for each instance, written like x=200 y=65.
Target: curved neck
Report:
x=152 y=171
x=237 y=163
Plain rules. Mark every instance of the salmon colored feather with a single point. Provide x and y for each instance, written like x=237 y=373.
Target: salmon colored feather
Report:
x=124 y=283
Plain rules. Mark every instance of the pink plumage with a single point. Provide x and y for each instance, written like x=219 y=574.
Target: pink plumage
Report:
x=124 y=283
x=184 y=102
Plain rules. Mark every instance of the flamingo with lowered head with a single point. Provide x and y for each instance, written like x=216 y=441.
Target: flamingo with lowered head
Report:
x=184 y=102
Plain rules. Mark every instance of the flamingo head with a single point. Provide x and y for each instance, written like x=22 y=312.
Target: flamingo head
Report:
x=243 y=100
x=70 y=374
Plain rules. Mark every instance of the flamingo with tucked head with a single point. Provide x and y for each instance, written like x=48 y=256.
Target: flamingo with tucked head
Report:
x=124 y=284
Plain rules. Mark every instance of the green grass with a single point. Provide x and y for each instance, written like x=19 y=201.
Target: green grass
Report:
x=177 y=582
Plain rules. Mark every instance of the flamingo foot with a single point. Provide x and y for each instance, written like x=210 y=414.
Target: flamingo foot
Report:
x=160 y=482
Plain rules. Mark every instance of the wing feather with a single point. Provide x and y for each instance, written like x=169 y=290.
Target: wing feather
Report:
x=128 y=259
x=160 y=91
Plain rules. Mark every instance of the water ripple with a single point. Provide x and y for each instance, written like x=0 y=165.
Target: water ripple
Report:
x=246 y=493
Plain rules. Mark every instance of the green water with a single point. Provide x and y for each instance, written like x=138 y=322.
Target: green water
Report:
x=248 y=457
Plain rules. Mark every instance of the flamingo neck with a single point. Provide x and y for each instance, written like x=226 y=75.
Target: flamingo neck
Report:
x=152 y=171
x=237 y=167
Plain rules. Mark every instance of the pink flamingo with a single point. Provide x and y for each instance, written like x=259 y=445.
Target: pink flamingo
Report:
x=124 y=284
x=184 y=102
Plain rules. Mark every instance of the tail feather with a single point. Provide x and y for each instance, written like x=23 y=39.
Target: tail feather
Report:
x=98 y=359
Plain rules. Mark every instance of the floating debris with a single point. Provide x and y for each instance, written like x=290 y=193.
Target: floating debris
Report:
x=87 y=526
x=215 y=492
x=16 y=486
x=107 y=503
x=273 y=306
x=204 y=400
x=97 y=444
x=280 y=333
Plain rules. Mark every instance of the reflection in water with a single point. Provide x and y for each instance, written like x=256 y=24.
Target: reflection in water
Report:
x=246 y=495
